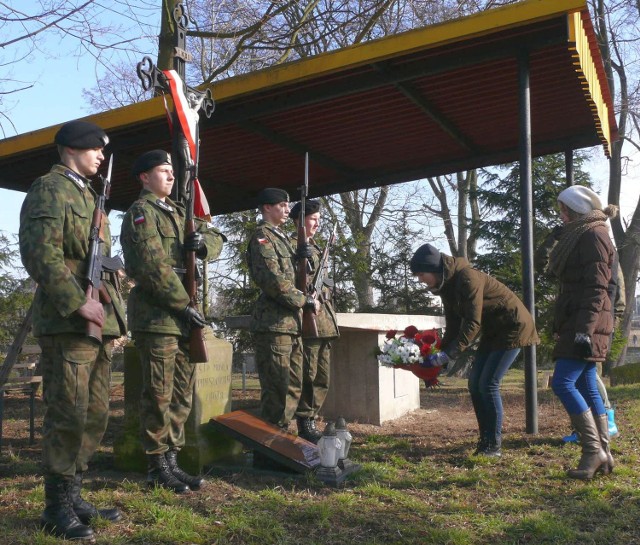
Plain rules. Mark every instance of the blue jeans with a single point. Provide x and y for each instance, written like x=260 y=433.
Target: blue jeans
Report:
x=575 y=383
x=484 y=386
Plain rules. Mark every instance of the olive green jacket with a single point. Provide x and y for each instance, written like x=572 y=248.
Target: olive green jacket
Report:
x=55 y=222
x=271 y=260
x=152 y=239
x=478 y=305
x=326 y=320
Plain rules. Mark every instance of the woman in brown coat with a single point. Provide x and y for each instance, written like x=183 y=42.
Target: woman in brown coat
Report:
x=477 y=305
x=583 y=322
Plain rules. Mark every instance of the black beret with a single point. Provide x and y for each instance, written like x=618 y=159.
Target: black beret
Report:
x=272 y=195
x=427 y=258
x=310 y=207
x=149 y=160
x=81 y=135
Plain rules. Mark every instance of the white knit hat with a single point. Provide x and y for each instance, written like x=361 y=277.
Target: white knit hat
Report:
x=580 y=199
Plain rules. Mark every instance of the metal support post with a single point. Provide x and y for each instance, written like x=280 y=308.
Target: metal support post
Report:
x=526 y=224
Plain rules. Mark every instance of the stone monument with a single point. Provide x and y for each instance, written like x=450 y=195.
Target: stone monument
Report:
x=212 y=397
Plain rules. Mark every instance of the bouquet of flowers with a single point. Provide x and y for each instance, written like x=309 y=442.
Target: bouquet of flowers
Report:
x=411 y=350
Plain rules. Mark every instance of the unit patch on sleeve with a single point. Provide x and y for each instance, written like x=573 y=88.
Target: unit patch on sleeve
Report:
x=139 y=219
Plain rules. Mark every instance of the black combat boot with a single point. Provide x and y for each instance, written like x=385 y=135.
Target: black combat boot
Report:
x=58 y=518
x=85 y=510
x=159 y=474
x=195 y=483
x=307 y=429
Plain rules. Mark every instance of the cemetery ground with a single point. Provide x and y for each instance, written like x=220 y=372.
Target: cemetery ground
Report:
x=419 y=484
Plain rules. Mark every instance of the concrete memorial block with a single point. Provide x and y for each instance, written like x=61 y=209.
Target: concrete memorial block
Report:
x=361 y=390
x=212 y=397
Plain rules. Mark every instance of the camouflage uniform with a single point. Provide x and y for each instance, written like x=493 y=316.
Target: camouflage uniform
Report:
x=276 y=322
x=55 y=221
x=152 y=240
x=317 y=351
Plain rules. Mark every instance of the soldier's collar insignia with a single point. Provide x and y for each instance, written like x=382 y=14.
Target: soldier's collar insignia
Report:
x=164 y=205
x=75 y=177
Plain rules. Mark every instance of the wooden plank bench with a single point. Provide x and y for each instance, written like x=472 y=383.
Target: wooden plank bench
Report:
x=25 y=380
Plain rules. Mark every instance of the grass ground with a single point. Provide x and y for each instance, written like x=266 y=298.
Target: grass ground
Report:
x=419 y=485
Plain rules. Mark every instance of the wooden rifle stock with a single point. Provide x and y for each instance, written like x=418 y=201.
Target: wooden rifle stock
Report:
x=93 y=330
x=197 y=344
x=94 y=257
x=309 y=324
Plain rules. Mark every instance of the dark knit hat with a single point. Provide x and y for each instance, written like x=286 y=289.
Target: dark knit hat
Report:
x=310 y=207
x=149 y=160
x=427 y=258
x=81 y=135
x=272 y=195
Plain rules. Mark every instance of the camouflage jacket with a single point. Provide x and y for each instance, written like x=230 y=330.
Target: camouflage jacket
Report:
x=55 y=222
x=152 y=241
x=271 y=261
x=326 y=318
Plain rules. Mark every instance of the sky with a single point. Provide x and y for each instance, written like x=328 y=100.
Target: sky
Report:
x=56 y=97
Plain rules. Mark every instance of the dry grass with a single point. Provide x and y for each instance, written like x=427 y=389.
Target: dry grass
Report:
x=419 y=484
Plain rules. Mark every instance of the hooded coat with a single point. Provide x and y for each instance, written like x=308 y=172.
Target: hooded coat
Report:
x=478 y=305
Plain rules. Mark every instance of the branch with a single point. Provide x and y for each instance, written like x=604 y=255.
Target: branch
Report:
x=51 y=24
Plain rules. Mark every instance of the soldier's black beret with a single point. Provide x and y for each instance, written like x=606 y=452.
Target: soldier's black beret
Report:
x=149 y=160
x=272 y=195
x=81 y=135
x=310 y=207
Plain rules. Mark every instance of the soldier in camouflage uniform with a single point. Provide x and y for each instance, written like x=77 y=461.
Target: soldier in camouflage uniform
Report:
x=55 y=222
x=316 y=351
x=160 y=318
x=276 y=321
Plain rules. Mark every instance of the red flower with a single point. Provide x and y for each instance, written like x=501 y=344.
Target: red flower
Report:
x=391 y=333
x=425 y=350
x=410 y=331
x=430 y=336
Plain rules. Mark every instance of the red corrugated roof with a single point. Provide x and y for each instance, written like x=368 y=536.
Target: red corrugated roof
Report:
x=372 y=114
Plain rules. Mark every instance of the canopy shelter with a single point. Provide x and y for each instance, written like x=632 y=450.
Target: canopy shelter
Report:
x=431 y=101
x=503 y=85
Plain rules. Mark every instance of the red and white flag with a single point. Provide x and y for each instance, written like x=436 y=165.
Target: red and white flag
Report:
x=188 y=119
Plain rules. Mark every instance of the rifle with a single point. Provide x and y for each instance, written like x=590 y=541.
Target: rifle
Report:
x=309 y=325
x=96 y=262
x=322 y=271
x=197 y=345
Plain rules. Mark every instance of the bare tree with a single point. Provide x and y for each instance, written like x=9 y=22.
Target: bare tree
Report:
x=55 y=28
x=617 y=26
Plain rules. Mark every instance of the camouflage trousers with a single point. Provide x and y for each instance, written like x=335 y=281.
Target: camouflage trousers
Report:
x=315 y=376
x=279 y=363
x=76 y=374
x=167 y=390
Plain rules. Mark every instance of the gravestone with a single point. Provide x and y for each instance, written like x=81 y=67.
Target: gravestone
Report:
x=212 y=397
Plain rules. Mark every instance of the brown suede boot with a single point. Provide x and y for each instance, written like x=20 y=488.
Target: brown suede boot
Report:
x=602 y=423
x=593 y=455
